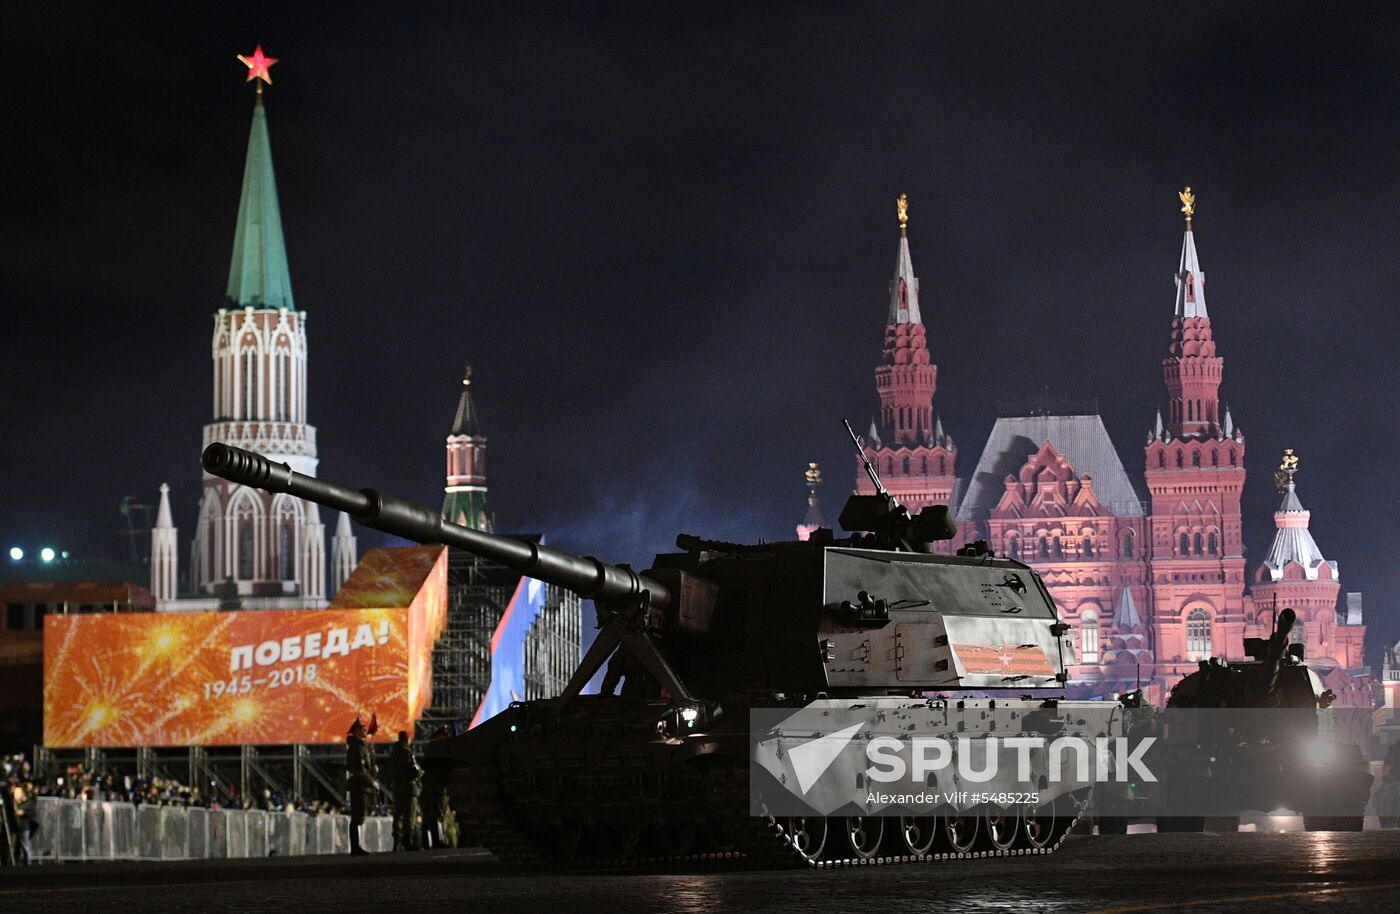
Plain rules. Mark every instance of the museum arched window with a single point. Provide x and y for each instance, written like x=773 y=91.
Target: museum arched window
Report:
x=1088 y=552
x=1197 y=543
x=1212 y=545
x=1180 y=460
x=1195 y=458
x=1013 y=546
x=1127 y=544
x=1044 y=548
x=1198 y=635
x=906 y=466
x=1162 y=459
x=1185 y=544
x=1059 y=550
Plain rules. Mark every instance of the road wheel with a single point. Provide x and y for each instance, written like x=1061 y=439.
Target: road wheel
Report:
x=675 y=836
x=1003 y=827
x=622 y=839
x=863 y=835
x=566 y=837
x=917 y=834
x=961 y=831
x=719 y=836
x=807 y=834
x=1039 y=826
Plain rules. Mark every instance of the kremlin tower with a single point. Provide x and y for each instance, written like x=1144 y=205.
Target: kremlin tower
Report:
x=271 y=548
x=913 y=456
x=465 y=501
x=165 y=552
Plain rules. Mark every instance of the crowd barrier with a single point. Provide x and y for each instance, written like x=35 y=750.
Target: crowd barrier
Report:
x=90 y=830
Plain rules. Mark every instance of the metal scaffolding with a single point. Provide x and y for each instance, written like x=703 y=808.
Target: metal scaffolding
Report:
x=478 y=593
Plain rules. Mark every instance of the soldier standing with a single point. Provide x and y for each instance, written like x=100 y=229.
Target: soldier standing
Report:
x=361 y=779
x=404 y=770
x=11 y=852
x=439 y=825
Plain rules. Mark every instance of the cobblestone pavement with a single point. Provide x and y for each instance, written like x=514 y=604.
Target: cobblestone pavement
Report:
x=1208 y=873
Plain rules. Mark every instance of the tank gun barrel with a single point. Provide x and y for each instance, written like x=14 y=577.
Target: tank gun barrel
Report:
x=585 y=576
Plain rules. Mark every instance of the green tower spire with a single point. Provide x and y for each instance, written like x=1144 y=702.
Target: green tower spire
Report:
x=258 y=274
x=465 y=503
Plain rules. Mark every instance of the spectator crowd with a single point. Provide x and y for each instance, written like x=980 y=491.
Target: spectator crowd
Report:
x=23 y=785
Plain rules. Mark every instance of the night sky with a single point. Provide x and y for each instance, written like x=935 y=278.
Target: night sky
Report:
x=663 y=237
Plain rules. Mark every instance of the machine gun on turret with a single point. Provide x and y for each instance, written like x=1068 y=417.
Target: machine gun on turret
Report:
x=883 y=516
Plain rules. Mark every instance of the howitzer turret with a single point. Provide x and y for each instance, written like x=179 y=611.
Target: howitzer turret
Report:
x=875 y=621
x=1274 y=676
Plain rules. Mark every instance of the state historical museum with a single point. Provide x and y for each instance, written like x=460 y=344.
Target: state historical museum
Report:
x=1150 y=571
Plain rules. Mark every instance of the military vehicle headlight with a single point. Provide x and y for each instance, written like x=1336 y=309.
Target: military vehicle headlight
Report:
x=1320 y=752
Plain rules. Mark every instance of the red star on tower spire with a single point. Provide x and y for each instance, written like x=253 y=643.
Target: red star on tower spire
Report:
x=258 y=64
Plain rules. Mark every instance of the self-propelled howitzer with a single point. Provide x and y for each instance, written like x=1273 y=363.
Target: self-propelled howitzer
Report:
x=873 y=621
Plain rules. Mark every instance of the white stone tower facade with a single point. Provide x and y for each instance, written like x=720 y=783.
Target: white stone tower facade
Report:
x=344 y=556
x=165 y=552
x=269 y=546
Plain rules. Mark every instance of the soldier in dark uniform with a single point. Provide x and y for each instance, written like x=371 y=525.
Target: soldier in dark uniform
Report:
x=361 y=779
x=404 y=772
x=626 y=669
x=11 y=850
x=439 y=825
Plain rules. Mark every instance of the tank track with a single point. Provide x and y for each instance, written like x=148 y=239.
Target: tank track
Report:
x=754 y=842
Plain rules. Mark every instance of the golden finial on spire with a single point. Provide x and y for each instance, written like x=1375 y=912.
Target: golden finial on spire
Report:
x=1286 y=468
x=467 y=377
x=902 y=204
x=1188 y=203
x=813 y=474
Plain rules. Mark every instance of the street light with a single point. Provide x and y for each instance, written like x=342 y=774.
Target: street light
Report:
x=47 y=553
x=16 y=553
